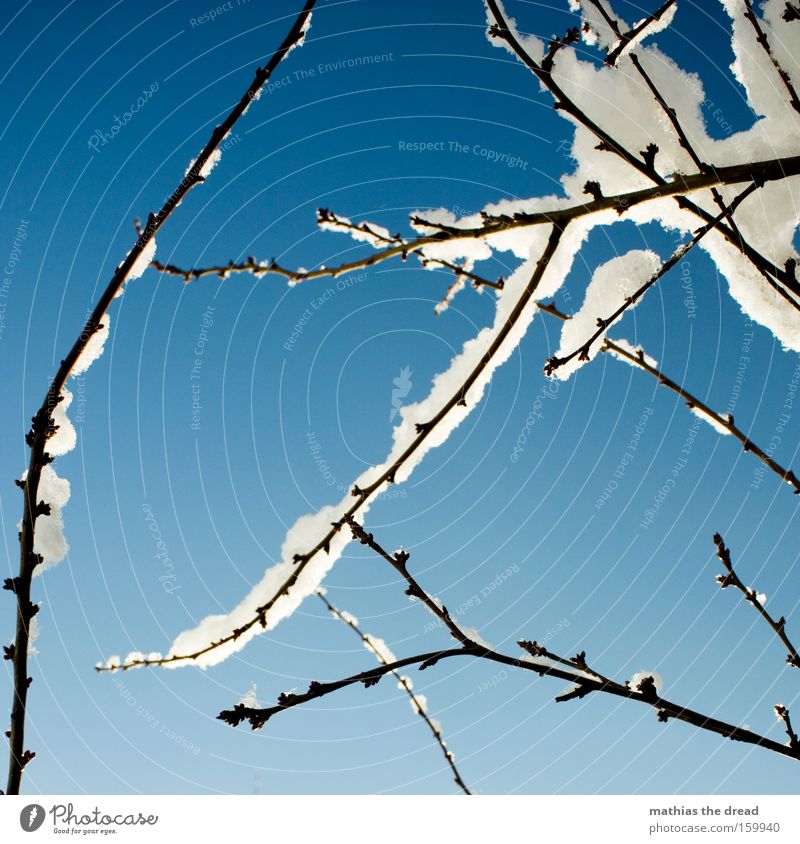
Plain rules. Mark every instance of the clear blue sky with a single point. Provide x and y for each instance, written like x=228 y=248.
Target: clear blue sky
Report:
x=223 y=493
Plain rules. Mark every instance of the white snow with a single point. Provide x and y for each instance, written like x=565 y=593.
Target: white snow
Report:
x=249 y=698
x=710 y=420
x=349 y=618
x=476 y=637
x=641 y=675
x=379 y=648
x=143 y=261
x=597 y=30
x=33 y=635
x=303 y=33
x=209 y=164
x=530 y=42
x=49 y=540
x=93 y=349
x=65 y=437
x=419 y=704
x=617 y=98
x=631 y=349
x=611 y=283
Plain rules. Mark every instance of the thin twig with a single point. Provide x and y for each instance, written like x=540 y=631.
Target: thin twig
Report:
x=258 y=717
x=398 y=561
x=760 y=172
x=726 y=421
x=783 y=714
x=762 y=39
x=732 y=579
x=418 y=705
x=582 y=351
x=42 y=424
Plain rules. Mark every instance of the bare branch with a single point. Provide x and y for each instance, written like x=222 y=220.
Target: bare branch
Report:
x=419 y=705
x=398 y=561
x=644 y=692
x=578 y=661
x=585 y=679
x=732 y=579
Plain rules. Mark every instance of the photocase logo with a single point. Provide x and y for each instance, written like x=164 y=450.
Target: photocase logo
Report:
x=31 y=817
x=402 y=387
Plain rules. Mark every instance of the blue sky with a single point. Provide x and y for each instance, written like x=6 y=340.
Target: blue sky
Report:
x=274 y=404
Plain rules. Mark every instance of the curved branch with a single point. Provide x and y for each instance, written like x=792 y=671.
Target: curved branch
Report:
x=258 y=716
x=42 y=425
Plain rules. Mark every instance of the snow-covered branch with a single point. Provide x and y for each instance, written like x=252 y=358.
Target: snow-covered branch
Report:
x=316 y=541
x=46 y=438
x=419 y=703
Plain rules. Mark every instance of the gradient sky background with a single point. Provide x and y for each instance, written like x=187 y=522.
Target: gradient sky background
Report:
x=222 y=496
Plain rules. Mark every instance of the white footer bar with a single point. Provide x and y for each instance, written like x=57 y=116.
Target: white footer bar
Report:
x=401 y=820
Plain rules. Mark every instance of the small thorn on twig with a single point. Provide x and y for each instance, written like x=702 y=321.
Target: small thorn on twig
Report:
x=593 y=189
x=401 y=557
x=649 y=155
